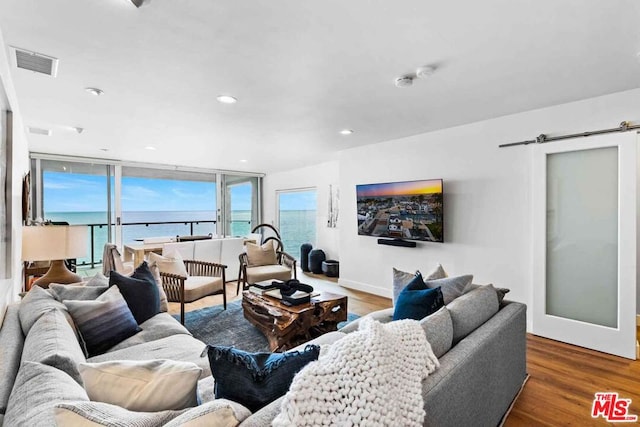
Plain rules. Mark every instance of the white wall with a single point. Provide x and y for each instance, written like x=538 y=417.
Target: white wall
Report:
x=10 y=288
x=319 y=177
x=487 y=190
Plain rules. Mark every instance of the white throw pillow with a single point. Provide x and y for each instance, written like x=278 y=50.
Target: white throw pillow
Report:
x=170 y=264
x=145 y=386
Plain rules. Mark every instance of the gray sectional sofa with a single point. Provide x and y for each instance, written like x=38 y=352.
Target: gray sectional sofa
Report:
x=480 y=373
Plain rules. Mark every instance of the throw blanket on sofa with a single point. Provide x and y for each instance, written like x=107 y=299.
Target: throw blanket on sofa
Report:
x=369 y=377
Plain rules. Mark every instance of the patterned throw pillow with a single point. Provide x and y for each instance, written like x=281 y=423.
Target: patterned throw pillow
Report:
x=77 y=292
x=103 y=322
x=256 y=379
x=261 y=255
x=139 y=291
x=416 y=301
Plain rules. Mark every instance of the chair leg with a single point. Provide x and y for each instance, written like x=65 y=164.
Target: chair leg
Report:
x=182 y=312
x=239 y=281
x=224 y=298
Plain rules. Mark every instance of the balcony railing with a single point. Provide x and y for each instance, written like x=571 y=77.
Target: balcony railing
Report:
x=99 y=235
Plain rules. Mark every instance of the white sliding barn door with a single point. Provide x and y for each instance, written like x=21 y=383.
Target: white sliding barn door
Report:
x=584 y=254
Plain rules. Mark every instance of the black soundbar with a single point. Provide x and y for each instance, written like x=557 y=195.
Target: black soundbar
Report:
x=397 y=242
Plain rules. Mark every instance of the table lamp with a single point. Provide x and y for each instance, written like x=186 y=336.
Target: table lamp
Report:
x=54 y=243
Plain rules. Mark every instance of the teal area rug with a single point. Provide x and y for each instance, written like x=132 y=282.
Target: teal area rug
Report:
x=216 y=326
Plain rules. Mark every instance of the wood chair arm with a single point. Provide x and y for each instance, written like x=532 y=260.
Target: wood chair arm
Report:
x=286 y=259
x=173 y=285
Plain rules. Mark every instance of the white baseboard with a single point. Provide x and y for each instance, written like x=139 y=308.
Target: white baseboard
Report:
x=358 y=286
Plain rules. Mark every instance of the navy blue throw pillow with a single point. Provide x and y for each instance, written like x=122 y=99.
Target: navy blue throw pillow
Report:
x=256 y=379
x=139 y=291
x=417 y=303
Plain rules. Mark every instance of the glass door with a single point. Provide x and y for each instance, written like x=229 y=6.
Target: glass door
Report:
x=77 y=193
x=241 y=204
x=584 y=267
x=297 y=218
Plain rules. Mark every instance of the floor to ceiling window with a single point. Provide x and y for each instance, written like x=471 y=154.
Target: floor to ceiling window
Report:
x=124 y=203
x=297 y=218
x=77 y=193
x=167 y=203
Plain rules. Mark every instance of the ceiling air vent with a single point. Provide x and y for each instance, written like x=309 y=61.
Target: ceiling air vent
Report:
x=36 y=62
x=39 y=131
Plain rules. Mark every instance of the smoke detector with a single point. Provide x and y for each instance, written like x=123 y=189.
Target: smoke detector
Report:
x=404 y=81
x=425 y=71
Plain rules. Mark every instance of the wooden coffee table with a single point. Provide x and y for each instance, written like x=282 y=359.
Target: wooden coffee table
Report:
x=288 y=326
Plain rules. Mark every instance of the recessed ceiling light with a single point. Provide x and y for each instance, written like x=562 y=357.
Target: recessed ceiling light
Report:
x=77 y=129
x=149 y=147
x=346 y=132
x=243 y=160
x=403 y=81
x=226 y=99
x=94 y=91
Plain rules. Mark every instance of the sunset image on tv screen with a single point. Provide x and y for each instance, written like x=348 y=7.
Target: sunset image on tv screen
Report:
x=410 y=210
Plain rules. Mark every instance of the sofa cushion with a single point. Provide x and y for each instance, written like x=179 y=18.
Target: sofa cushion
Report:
x=500 y=292
x=38 y=388
x=11 y=343
x=471 y=310
x=170 y=264
x=196 y=287
x=184 y=249
x=34 y=304
x=53 y=342
x=438 y=327
x=139 y=291
x=452 y=287
x=175 y=347
x=103 y=322
x=147 y=386
x=268 y=272
x=256 y=379
x=220 y=413
x=383 y=316
x=208 y=250
x=402 y=278
x=258 y=255
x=75 y=292
x=159 y=326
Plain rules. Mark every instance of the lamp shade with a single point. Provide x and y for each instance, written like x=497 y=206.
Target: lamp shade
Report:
x=53 y=242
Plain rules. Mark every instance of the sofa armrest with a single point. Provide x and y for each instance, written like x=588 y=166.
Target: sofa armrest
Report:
x=382 y=316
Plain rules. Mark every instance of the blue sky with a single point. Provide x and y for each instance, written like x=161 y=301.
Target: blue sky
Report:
x=70 y=192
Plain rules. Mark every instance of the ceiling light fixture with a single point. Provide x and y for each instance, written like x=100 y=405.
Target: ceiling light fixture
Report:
x=94 y=91
x=346 y=132
x=137 y=3
x=425 y=71
x=226 y=99
x=404 y=81
x=149 y=147
x=243 y=160
x=78 y=129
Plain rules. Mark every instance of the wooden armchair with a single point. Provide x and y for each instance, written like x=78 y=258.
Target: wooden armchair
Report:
x=205 y=278
x=285 y=269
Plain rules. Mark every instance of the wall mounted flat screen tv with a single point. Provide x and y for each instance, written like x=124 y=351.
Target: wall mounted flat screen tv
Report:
x=410 y=210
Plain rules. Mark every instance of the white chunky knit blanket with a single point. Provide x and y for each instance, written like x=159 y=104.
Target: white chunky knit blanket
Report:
x=371 y=377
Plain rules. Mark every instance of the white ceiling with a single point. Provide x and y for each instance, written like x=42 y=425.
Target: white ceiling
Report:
x=302 y=71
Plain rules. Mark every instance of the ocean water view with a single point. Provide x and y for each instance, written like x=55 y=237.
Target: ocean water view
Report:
x=296 y=227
